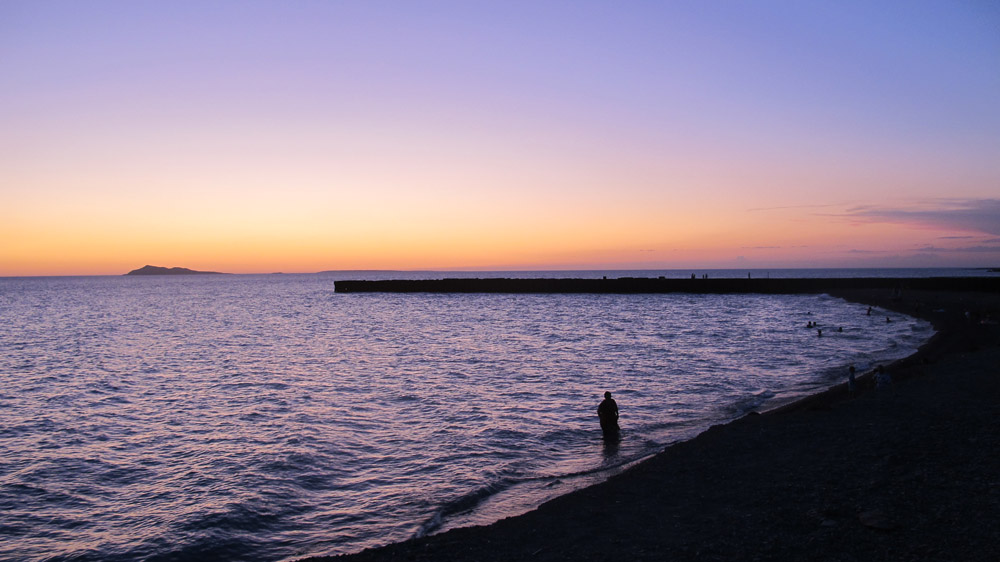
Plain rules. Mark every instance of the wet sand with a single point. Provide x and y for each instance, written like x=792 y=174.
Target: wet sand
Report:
x=910 y=473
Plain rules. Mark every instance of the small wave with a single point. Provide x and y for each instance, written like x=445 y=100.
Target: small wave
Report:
x=567 y=435
x=462 y=504
x=251 y=517
x=749 y=403
x=214 y=546
x=511 y=479
x=504 y=435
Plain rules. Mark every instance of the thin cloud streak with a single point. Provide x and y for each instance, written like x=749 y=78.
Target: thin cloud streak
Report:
x=963 y=250
x=787 y=207
x=970 y=215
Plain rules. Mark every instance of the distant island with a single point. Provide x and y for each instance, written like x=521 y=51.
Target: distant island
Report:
x=157 y=270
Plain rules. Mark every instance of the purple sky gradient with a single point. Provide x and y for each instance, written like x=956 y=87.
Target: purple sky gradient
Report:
x=330 y=135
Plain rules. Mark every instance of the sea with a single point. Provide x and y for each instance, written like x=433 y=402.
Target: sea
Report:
x=270 y=418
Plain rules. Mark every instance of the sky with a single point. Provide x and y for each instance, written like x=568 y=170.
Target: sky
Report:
x=302 y=136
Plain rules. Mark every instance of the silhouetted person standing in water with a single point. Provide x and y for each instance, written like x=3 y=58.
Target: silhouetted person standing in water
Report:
x=608 y=414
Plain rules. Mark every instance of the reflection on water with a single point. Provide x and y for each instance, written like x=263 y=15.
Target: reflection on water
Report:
x=266 y=417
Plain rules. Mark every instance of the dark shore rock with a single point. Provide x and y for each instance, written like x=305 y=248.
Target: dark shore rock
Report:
x=905 y=474
x=157 y=270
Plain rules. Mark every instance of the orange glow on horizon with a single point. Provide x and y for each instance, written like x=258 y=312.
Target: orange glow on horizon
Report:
x=671 y=135
x=596 y=244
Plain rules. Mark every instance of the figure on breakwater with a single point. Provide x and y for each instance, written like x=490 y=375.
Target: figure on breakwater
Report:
x=607 y=412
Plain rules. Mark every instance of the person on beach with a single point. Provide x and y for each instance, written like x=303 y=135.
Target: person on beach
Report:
x=607 y=412
x=882 y=379
x=852 y=385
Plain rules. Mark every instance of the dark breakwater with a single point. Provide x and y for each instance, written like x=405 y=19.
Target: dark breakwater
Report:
x=628 y=285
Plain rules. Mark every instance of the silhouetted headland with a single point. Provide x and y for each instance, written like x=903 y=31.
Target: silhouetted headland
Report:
x=157 y=270
x=627 y=285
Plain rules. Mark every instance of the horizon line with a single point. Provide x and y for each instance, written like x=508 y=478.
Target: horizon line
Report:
x=487 y=270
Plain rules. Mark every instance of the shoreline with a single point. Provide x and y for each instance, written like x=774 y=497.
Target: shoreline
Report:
x=873 y=477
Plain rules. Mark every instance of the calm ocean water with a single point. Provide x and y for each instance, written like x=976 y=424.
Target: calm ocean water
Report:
x=269 y=418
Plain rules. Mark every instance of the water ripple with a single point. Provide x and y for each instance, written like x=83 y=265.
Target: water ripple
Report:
x=266 y=417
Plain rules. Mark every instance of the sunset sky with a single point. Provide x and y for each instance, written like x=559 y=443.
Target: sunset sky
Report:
x=304 y=136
